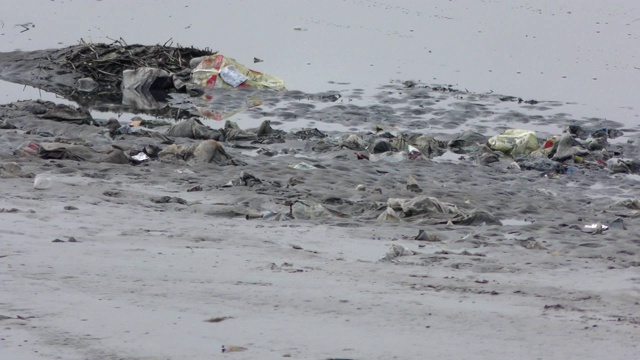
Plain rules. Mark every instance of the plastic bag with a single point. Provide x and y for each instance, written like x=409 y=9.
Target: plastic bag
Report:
x=232 y=75
x=515 y=142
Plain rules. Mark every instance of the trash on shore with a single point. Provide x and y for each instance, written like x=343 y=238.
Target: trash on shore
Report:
x=514 y=142
x=12 y=170
x=430 y=210
x=219 y=71
x=205 y=152
x=42 y=182
x=133 y=78
x=245 y=179
x=396 y=251
x=466 y=142
x=412 y=185
x=233 y=348
x=424 y=236
x=302 y=166
x=596 y=228
x=140 y=157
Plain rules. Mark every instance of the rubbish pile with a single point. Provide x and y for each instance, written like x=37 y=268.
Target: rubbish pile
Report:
x=106 y=63
x=515 y=149
x=215 y=86
x=141 y=70
x=574 y=148
x=133 y=78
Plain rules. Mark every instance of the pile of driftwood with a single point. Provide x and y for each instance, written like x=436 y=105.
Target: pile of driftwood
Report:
x=104 y=63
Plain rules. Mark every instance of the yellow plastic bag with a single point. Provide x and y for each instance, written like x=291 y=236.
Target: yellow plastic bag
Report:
x=219 y=71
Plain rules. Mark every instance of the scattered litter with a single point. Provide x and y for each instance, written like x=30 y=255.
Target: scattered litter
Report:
x=5 y=124
x=618 y=223
x=389 y=215
x=389 y=156
x=412 y=185
x=195 y=188
x=29 y=148
x=169 y=199
x=86 y=84
x=42 y=182
x=245 y=179
x=70 y=239
x=232 y=77
x=309 y=209
x=140 y=157
x=396 y=251
x=596 y=228
x=568 y=148
x=302 y=166
x=414 y=153
x=423 y=236
x=514 y=142
x=360 y=156
x=380 y=146
x=624 y=166
x=233 y=348
x=205 y=75
x=219 y=319
x=468 y=141
x=534 y=244
x=12 y=170
x=25 y=27
x=207 y=151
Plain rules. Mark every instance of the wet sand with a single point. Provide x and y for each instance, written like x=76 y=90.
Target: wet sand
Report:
x=99 y=265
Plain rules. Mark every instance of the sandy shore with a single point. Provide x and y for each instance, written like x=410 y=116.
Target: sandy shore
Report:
x=96 y=267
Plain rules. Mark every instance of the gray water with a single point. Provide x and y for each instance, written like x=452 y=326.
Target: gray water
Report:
x=582 y=53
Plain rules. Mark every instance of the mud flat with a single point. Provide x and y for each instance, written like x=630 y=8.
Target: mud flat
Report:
x=306 y=243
